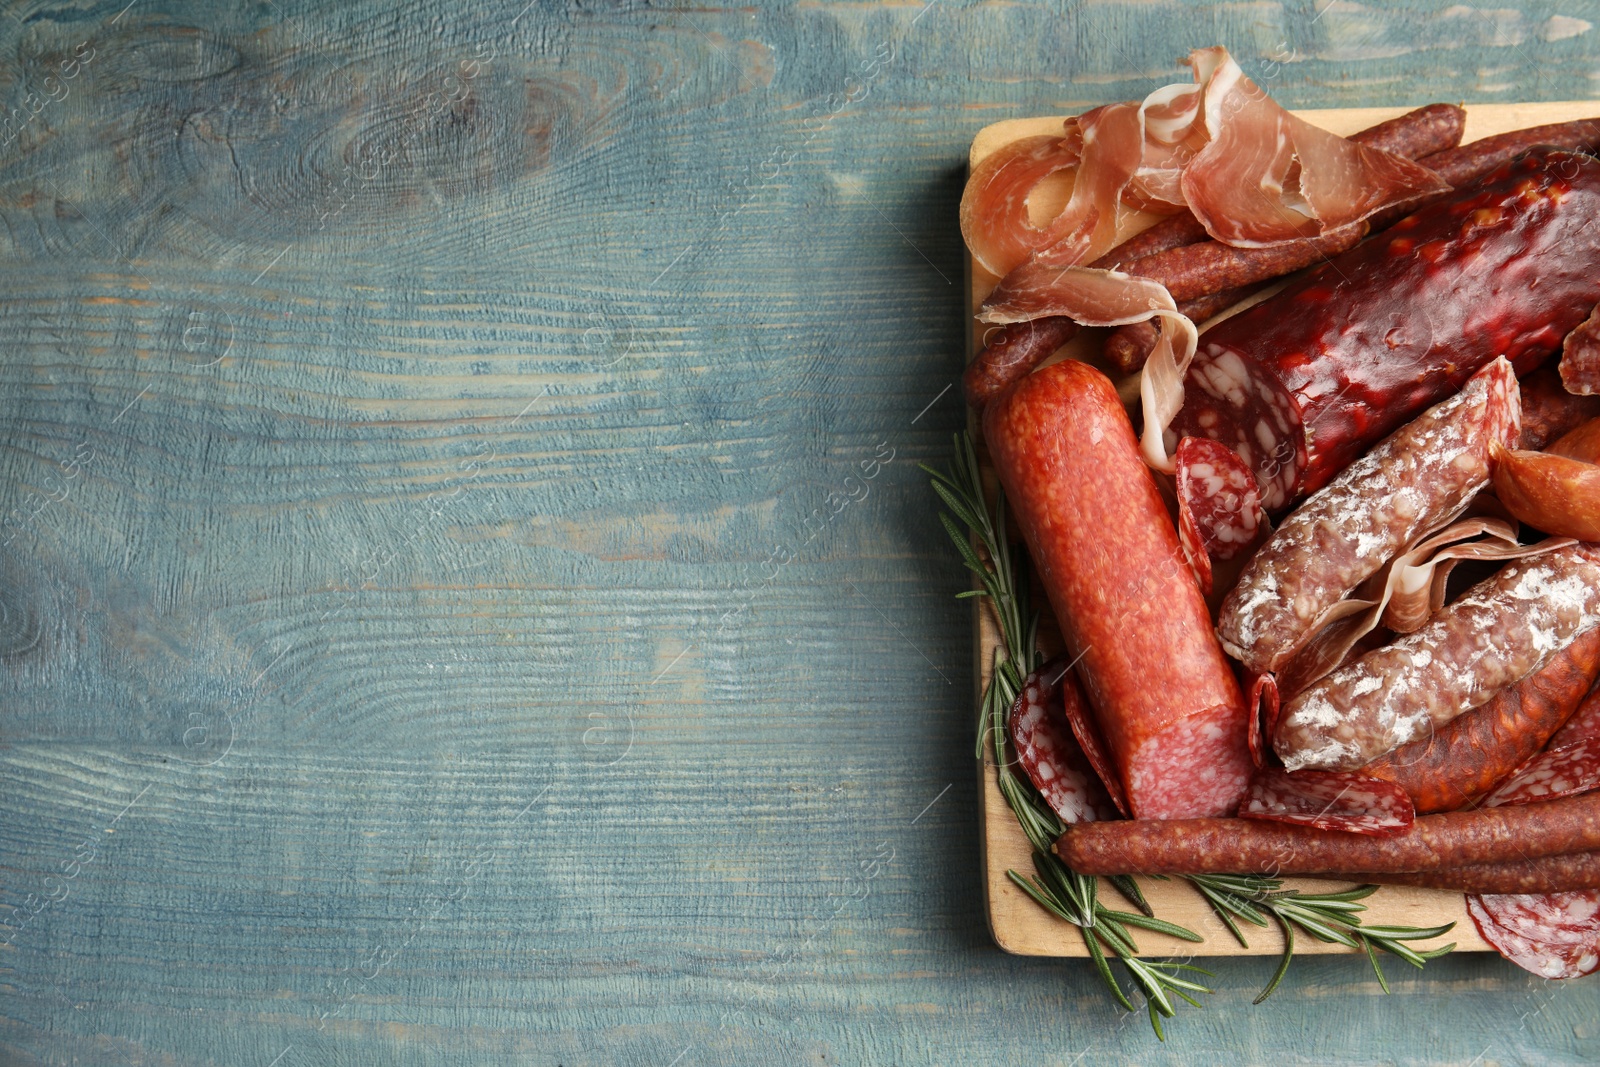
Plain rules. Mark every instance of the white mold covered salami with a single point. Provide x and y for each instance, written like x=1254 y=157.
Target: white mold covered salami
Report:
x=1416 y=480
x=1501 y=630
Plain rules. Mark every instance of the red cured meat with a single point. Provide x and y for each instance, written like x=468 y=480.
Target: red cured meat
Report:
x=1329 y=800
x=1080 y=719
x=1263 y=701
x=1584 y=724
x=1552 y=935
x=1414 y=482
x=1307 y=380
x=1567 y=771
x=1461 y=761
x=1264 y=170
x=1165 y=698
x=1050 y=757
x=1580 y=357
x=1218 y=493
x=994 y=205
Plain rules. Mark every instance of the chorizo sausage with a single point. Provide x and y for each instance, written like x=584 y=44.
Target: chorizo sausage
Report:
x=1250 y=846
x=1011 y=352
x=1500 y=631
x=1556 y=494
x=1461 y=762
x=1547 y=874
x=1167 y=702
x=1307 y=380
x=1417 y=479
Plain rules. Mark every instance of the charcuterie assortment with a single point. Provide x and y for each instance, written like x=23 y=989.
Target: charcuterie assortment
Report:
x=1326 y=574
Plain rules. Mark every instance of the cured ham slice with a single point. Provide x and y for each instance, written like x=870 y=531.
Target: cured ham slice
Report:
x=1253 y=174
x=1265 y=176
x=994 y=206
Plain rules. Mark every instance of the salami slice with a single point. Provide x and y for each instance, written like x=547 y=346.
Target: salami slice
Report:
x=1329 y=800
x=1217 y=499
x=1165 y=699
x=1086 y=732
x=1532 y=608
x=1050 y=757
x=1261 y=697
x=1307 y=380
x=1414 y=481
x=1580 y=357
x=1584 y=724
x=1559 y=772
x=1552 y=935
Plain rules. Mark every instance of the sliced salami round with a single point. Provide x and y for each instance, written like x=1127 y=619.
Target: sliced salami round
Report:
x=1087 y=733
x=1560 y=772
x=1218 y=504
x=1329 y=800
x=1051 y=758
x=1552 y=935
x=1262 y=699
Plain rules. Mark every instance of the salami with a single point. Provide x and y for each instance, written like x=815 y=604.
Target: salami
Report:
x=1012 y=352
x=1552 y=935
x=1464 y=759
x=1165 y=698
x=1580 y=357
x=1263 y=700
x=1568 y=771
x=1050 y=757
x=1219 y=510
x=1499 y=632
x=1547 y=874
x=1414 y=481
x=1549 y=412
x=1552 y=493
x=1252 y=846
x=1328 y=800
x=1307 y=380
x=1080 y=719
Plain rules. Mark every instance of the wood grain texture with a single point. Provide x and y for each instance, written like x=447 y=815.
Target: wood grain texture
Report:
x=426 y=632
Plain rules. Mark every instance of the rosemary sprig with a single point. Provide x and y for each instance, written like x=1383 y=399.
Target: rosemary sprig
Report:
x=1258 y=900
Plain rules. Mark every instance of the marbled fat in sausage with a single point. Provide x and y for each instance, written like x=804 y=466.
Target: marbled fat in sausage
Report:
x=1168 y=705
x=1307 y=380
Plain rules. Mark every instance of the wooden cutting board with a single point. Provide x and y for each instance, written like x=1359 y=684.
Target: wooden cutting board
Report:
x=1019 y=925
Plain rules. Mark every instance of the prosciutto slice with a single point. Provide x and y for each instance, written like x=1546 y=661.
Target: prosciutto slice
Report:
x=1253 y=174
x=1265 y=176
x=994 y=207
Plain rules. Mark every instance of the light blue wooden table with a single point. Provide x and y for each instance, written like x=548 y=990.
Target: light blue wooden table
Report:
x=467 y=595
